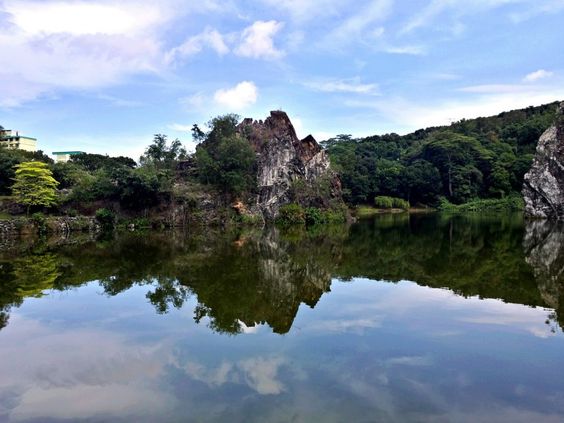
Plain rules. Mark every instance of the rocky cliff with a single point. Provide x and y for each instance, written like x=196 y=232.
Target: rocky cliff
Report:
x=543 y=188
x=285 y=163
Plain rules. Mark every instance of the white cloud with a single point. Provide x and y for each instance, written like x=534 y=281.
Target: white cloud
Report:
x=239 y=97
x=180 y=127
x=305 y=10
x=494 y=88
x=257 y=40
x=197 y=101
x=535 y=76
x=78 y=45
x=360 y=23
x=481 y=101
x=193 y=45
x=454 y=10
x=81 y=18
x=352 y=85
x=415 y=50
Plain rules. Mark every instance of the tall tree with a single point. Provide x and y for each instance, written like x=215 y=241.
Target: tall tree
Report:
x=34 y=185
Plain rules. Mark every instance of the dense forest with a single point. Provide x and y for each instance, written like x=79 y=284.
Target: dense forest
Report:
x=223 y=165
x=485 y=157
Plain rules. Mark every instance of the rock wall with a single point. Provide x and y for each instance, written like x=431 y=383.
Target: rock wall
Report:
x=56 y=225
x=284 y=159
x=543 y=188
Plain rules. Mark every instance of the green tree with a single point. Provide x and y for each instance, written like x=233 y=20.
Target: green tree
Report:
x=161 y=155
x=34 y=185
x=225 y=159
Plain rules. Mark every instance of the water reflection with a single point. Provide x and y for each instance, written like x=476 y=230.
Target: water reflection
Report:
x=253 y=278
x=119 y=329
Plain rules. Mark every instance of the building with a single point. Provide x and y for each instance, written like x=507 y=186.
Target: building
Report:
x=64 y=156
x=13 y=139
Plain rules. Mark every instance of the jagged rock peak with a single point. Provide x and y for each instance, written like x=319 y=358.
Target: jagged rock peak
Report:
x=283 y=159
x=543 y=187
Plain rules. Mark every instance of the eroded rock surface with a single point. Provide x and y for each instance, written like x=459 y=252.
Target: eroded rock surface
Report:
x=283 y=159
x=543 y=188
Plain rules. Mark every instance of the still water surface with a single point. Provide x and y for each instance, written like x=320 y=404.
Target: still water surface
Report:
x=427 y=318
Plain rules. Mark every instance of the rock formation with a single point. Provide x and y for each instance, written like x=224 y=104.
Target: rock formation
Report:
x=543 y=188
x=543 y=246
x=283 y=159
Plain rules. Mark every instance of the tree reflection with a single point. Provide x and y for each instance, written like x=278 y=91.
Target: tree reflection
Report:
x=237 y=280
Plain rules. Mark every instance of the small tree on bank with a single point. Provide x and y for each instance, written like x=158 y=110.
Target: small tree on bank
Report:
x=34 y=185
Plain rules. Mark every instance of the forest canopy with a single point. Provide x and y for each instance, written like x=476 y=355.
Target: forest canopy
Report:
x=470 y=159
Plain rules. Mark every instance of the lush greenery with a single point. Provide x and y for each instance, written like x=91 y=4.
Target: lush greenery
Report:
x=384 y=202
x=468 y=160
x=295 y=214
x=223 y=158
x=9 y=159
x=34 y=185
x=510 y=203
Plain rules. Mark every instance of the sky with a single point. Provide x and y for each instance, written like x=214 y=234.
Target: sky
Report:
x=103 y=76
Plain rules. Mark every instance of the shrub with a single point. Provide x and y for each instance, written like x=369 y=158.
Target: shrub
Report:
x=314 y=216
x=510 y=203
x=291 y=214
x=383 y=202
x=400 y=203
x=39 y=220
x=105 y=217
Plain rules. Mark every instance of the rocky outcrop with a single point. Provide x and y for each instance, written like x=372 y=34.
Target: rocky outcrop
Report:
x=543 y=188
x=543 y=246
x=283 y=159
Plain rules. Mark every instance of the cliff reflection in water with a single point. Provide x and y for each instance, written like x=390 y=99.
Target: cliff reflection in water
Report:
x=261 y=277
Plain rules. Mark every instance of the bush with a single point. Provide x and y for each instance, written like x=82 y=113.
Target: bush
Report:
x=510 y=203
x=291 y=214
x=39 y=220
x=314 y=216
x=384 y=202
x=400 y=203
x=106 y=218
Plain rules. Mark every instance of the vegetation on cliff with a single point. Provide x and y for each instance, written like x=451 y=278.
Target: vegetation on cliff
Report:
x=468 y=160
x=217 y=183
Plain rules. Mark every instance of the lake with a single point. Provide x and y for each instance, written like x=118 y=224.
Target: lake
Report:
x=423 y=318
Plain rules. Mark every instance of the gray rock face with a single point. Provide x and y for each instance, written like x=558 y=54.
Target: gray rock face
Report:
x=543 y=188
x=284 y=159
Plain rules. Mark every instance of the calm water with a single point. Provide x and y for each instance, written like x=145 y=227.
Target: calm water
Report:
x=423 y=319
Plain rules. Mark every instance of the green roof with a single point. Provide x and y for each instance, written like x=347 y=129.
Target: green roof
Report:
x=67 y=152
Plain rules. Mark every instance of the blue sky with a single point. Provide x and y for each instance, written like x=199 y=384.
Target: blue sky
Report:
x=104 y=76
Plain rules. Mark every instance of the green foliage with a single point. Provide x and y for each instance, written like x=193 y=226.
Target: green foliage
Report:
x=9 y=159
x=138 y=189
x=106 y=218
x=34 y=185
x=294 y=214
x=39 y=221
x=510 y=203
x=226 y=160
x=94 y=162
x=161 y=155
x=291 y=214
x=384 y=202
x=478 y=158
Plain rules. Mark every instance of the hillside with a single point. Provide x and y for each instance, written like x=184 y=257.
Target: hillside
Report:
x=485 y=157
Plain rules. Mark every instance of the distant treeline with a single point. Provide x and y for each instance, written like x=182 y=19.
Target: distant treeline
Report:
x=468 y=160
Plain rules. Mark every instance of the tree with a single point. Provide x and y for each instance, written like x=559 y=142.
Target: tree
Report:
x=34 y=185
x=225 y=159
x=161 y=155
